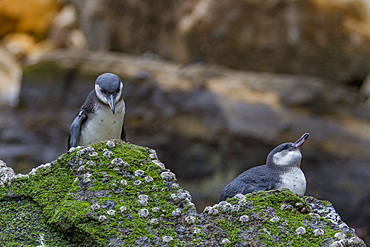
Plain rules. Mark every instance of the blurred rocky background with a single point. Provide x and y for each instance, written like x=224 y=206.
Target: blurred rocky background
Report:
x=213 y=86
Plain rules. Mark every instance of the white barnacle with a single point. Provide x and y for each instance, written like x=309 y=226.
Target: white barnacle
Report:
x=85 y=150
x=175 y=186
x=107 y=153
x=244 y=218
x=190 y=219
x=167 y=239
x=93 y=154
x=318 y=232
x=213 y=211
x=118 y=162
x=91 y=163
x=225 y=206
x=240 y=196
x=300 y=231
x=235 y=208
x=154 y=221
x=137 y=182
x=274 y=219
x=143 y=200
x=72 y=149
x=102 y=218
x=86 y=180
x=159 y=164
x=155 y=209
x=340 y=235
x=174 y=197
x=177 y=212
x=225 y=241
x=81 y=169
x=184 y=195
x=111 y=212
x=139 y=173
x=95 y=206
x=153 y=154
x=123 y=209
x=242 y=202
x=169 y=176
x=110 y=144
x=123 y=182
x=207 y=209
x=143 y=213
x=356 y=241
x=148 y=179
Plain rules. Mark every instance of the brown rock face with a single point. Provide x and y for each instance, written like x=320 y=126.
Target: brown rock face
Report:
x=33 y=16
x=321 y=38
x=208 y=123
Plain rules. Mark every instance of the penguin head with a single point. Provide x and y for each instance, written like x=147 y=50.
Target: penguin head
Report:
x=287 y=154
x=108 y=88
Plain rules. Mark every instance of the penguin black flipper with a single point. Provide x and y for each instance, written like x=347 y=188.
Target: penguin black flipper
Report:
x=255 y=179
x=123 y=133
x=257 y=186
x=74 y=131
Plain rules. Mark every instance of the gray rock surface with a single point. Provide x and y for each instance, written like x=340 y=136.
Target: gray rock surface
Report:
x=54 y=206
x=329 y=39
x=208 y=123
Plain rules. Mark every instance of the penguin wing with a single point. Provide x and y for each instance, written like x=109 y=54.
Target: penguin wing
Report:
x=250 y=187
x=259 y=180
x=123 y=133
x=75 y=129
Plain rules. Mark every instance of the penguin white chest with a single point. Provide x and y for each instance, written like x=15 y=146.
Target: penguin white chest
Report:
x=103 y=125
x=294 y=180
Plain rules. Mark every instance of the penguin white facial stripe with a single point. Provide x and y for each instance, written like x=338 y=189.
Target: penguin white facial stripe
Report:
x=103 y=98
x=118 y=96
x=100 y=95
x=286 y=157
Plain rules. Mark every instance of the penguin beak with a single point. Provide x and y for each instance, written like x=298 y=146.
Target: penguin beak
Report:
x=111 y=102
x=301 y=140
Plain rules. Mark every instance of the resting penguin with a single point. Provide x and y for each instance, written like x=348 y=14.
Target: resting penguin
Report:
x=282 y=170
x=101 y=116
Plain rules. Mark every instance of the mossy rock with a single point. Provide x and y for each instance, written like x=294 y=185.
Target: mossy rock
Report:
x=118 y=194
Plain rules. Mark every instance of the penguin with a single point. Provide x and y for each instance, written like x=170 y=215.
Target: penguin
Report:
x=282 y=170
x=101 y=117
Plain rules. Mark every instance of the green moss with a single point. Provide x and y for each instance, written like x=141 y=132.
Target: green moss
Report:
x=65 y=210
x=27 y=226
x=60 y=201
x=281 y=233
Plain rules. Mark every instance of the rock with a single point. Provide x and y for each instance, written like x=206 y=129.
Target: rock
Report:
x=31 y=16
x=49 y=204
x=283 y=36
x=208 y=123
x=64 y=32
x=10 y=78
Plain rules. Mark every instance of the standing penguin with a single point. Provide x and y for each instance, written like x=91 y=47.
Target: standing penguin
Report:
x=101 y=115
x=282 y=170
